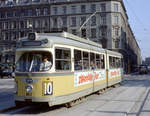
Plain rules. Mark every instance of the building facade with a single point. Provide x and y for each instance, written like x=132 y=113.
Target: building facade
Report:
x=147 y=61
x=107 y=26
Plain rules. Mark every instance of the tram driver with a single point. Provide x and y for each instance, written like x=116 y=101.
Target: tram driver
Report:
x=45 y=64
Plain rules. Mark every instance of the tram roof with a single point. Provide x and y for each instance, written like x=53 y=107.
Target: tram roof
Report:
x=71 y=37
x=63 y=36
x=114 y=53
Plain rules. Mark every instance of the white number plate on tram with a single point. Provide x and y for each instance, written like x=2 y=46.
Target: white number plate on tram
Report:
x=48 y=88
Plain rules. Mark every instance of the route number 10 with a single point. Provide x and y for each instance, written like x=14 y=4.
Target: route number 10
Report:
x=48 y=88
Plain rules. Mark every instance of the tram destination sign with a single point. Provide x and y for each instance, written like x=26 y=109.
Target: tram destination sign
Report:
x=31 y=43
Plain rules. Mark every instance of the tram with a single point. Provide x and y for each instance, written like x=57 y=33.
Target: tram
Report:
x=79 y=67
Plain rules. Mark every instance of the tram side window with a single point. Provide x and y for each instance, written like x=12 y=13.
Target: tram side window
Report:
x=111 y=62
x=114 y=62
x=98 y=61
x=102 y=64
x=78 y=60
x=63 y=59
x=85 y=60
x=92 y=61
x=121 y=62
x=118 y=62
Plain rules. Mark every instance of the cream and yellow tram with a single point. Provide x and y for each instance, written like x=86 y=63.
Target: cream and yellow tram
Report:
x=78 y=67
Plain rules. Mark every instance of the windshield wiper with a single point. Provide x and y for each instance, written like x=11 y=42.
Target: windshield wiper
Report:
x=31 y=65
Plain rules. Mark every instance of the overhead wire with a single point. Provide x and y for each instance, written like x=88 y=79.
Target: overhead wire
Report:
x=138 y=19
x=145 y=30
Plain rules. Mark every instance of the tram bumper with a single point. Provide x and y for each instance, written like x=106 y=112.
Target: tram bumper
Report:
x=33 y=99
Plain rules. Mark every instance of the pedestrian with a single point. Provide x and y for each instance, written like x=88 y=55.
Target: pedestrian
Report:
x=45 y=65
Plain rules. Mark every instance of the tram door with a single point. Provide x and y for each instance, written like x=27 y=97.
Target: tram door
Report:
x=93 y=67
x=107 y=68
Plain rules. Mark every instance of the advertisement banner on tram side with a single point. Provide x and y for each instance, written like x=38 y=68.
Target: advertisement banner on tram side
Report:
x=114 y=73
x=82 y=78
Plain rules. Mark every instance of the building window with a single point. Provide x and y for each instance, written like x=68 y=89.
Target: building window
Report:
x=73 y=21
x=14 y=13
x=1 y=26
x=116 y=32
x=93 y=8
x=45 y=23
x=37 y=23
x=26 y=12
x=115 y=7
x=64 y=9
x=83 y=8
x=103 y=32
x=55 y=10
x=14 y=36
x=9 y=14
x=74 y=31
x=83 y=33
x=45 y=12
x=22 y=24
x=64 y=21
x=55 y=23
x=38 y=12
x=93 y=33
x=116 y=20
x=103 y=7
x=22 y=13
x=13 y=25
x=30 y=13
x=103 y=20
x=93 y=21
x=83 y=19
x=73 y=9
x=117 y=44
x=6 y=25
x=3 y=14
x=6 y=36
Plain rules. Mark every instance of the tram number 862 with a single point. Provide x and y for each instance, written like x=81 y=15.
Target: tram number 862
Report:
x=48 y=88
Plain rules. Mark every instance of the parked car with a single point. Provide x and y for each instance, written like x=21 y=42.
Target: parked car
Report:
x=5 y=72
x=143 y=69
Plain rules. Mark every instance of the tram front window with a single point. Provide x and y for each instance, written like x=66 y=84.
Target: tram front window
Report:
x=34 y=62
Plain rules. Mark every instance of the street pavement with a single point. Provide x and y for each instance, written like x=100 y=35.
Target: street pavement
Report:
x=132 y=98
x=6 y=93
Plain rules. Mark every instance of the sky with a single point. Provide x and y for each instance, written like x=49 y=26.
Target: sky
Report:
x=139 y=19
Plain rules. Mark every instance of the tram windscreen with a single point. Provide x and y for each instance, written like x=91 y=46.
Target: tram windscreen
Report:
x=34 y=62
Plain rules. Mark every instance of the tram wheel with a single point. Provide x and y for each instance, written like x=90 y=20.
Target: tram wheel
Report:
x=68 y=105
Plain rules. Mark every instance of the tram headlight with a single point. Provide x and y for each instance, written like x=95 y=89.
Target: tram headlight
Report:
x=32 y=36
x=29 y=88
